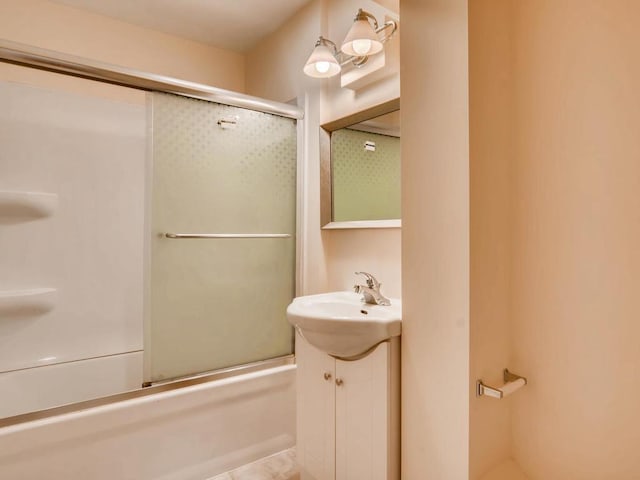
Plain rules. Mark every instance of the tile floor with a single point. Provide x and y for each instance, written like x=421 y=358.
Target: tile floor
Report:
x=281 y=466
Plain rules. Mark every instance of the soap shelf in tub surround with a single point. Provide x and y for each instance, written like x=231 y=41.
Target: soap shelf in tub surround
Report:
x=32 y=301
x=27 y=205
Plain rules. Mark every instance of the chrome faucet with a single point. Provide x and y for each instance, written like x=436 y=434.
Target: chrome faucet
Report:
x=371 y=292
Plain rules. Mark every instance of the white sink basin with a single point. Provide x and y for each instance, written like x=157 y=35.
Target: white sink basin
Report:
x=340 y=324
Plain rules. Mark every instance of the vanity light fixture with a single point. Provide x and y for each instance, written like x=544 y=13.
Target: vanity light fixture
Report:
x=361 y=41
x=362 y=38
x=322 y=62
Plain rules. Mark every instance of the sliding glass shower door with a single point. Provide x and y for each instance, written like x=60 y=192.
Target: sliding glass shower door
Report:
x=223 y=236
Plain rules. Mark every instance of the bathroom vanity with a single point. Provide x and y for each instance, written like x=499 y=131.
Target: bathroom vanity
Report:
x=348 y=413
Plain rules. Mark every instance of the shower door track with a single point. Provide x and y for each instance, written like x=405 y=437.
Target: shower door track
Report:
x=50 y=60
x=152 y=388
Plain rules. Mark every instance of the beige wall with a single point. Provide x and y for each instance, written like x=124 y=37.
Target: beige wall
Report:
x=274 y=66
x=274 y=70
x=554 y=189
x=491 y=152
x=69 y=30
x=576 y=231
x=435 y=240
x=352 y=251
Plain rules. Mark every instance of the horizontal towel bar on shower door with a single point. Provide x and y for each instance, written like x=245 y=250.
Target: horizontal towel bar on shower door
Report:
x=227 y=235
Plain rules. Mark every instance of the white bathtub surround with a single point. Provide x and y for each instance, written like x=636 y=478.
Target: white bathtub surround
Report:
x=71 y=250
x=34 y=389
x=281 y=466
x=26 y=302
x=186 y=434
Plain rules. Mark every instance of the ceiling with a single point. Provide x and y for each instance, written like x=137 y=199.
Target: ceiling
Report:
x=231 y=24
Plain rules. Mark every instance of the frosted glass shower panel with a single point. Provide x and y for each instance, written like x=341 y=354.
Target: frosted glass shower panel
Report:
x=217 y=302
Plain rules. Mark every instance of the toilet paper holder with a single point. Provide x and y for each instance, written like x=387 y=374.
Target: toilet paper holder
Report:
x=512 y=382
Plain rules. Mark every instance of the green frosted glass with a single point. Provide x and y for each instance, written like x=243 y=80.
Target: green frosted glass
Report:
x=365 y=184
x=220 y=302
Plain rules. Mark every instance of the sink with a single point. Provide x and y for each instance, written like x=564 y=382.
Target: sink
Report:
x=341 y=324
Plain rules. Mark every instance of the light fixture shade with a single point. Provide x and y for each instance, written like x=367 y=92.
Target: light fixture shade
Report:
x=322 y=63
x=361 y=40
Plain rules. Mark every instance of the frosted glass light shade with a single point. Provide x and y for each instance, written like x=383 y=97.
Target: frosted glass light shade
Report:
x=322 y=63
x=361 y=40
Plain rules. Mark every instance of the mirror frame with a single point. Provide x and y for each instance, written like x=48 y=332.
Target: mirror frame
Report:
x=326 y=194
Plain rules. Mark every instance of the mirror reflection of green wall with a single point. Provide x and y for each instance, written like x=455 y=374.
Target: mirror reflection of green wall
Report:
x=365 y=171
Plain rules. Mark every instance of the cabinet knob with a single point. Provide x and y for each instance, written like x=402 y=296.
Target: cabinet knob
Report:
x=339 y=382
x=327 y=376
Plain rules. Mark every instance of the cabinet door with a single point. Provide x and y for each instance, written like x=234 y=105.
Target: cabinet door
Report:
x=362 y=417
x=315 y=412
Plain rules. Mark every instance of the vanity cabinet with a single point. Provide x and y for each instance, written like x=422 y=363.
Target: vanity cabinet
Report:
x=348 y=414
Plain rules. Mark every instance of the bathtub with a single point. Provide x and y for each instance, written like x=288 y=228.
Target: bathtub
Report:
x=190 y=433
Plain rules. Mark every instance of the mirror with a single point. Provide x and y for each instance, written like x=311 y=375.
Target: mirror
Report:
x=360 y=169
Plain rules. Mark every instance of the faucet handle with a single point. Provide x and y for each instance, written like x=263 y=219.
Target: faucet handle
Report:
x=371 y=280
